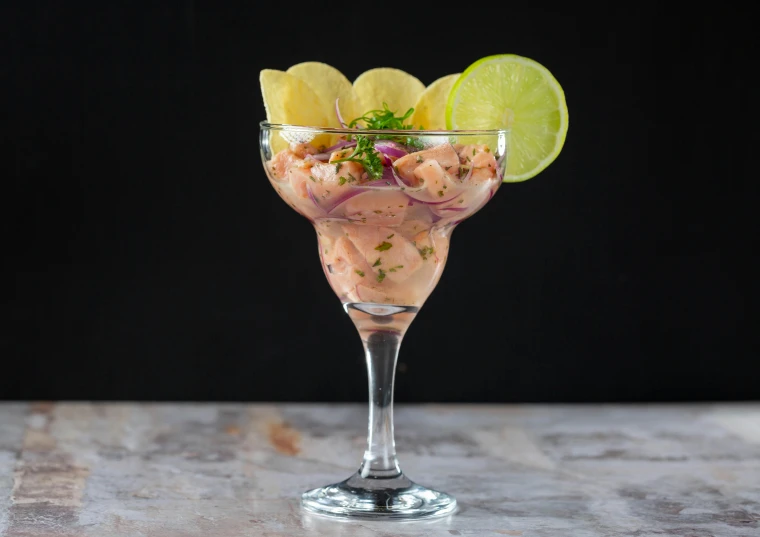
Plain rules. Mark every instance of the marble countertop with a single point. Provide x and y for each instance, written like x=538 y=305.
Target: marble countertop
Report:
x=223 y=470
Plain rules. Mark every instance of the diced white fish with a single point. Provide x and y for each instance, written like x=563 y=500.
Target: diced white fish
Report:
x=301 y=150
x=346 y=263
x=389 y=254
x=437 y=180
x=380 y=245
x=411 y=227
x=443 y=154
x=481 y=157
x=321 y=179
x=376 y=295
x=282 y=162
x=376 y=208
x=433 y=246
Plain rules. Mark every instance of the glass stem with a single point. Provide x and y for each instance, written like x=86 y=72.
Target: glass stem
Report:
x=381 y=348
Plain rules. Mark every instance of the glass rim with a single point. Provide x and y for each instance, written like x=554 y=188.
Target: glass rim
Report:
x=394 y=132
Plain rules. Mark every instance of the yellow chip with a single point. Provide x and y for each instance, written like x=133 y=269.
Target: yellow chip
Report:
x=430 y=108
x=290 y=100
x=329 y=84
x=398 y=89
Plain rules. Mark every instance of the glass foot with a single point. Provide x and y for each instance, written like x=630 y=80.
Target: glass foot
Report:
x=379 y=498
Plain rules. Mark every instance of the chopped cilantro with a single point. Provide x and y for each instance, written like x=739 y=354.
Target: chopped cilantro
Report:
x=359 y=272
x=365 y=154
x=377 y=263
x=383 y=246
x=426 y=251
x=392 y=234
x=380 y=275
x=384 y=119
x=342 y=181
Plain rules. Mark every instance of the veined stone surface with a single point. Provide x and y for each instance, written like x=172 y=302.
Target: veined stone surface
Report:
x=224 y=470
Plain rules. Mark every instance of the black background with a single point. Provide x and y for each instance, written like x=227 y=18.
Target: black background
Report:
x=151 y=260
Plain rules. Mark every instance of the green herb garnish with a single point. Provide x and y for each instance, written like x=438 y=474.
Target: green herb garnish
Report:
x=360 y=273
x=426 y=251
x=385 y=119
x=380 y=275
x=383 y=246
x=365 y=154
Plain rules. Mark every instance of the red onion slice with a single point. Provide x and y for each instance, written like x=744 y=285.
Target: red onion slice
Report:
x=329 y=205
x=379 y=184
x=469 y=174
x=339 y=145
x=312 y=197
x=325 y=155
x=419 y=194
x=337 y=113
x=499 y=164
x=390 y=148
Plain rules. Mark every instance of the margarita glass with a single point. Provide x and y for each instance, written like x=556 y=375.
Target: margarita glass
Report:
x=383 y=235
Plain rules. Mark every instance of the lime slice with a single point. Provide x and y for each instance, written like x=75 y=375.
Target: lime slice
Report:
x=514 y=92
